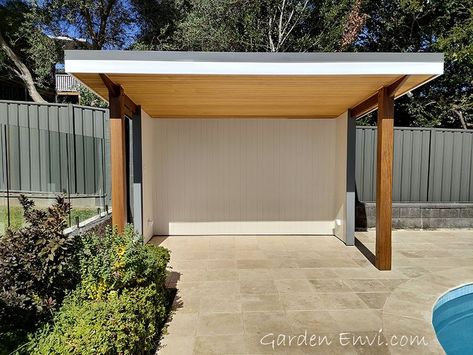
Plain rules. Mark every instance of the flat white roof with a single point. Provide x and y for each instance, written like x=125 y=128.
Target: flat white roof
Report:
x=218 y=63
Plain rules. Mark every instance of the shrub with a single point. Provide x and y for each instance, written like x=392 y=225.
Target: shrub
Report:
x=38 y=267
x=120 y=305
x=118 y=261
x=124 y=323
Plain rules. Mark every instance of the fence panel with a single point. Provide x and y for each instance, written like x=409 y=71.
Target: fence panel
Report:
x=365 y=174
x=54 y=148
x=430 y=165
x=451 y=166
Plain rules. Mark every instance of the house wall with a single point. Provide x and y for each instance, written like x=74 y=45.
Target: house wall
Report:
x=148 y=183
x=245 y=176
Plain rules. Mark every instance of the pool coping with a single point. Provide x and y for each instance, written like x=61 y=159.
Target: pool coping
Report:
x=456 y=292
x=422 y=294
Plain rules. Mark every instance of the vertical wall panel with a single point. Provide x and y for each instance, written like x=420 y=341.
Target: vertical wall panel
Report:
x=358 y=159
x=369 y=161
x=89 y=151
x=14 y=145
x=79 y=150
x=63 y=124
x=227 y=176
x=3 y=147
x=424 y=164
x=34 y=148
x=397 y=165
x=24 y=147
x=71 y=152
x=465 y=180
x=456 y=166
x=54 y=152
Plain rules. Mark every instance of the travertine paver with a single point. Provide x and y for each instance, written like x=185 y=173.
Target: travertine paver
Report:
x=235 y=292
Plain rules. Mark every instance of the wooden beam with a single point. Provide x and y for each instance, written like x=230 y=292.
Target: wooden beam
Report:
x=120 y=105
x=113 y=89
x=118 y=158
x=365 y=107
x=394 y=87
x=384 y=178
x=371 y=103
x=130 y=108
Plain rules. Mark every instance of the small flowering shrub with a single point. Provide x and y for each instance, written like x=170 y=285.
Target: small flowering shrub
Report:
x=118 y=261
x=120 y=305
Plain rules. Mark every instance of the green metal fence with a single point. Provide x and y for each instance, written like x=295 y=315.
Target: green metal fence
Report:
x=430 y=165
x=47 y=149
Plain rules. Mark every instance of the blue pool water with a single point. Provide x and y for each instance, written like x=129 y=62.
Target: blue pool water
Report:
x=453 y=321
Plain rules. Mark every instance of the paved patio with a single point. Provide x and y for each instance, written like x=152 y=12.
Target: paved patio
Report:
x=236 y=292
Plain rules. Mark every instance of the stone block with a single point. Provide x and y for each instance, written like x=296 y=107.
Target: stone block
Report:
x=410 y=212
x=435 y=223
x=396 y=212
x=466 y=212
x=430 y=213
x=448 y=212
x=408 y=223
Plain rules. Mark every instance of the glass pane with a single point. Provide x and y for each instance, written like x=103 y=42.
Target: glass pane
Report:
x=3 y=181
x=87 y=179
x=35 y=164
x=3 y=214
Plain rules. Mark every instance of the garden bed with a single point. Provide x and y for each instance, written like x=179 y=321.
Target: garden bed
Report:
x=101 y=293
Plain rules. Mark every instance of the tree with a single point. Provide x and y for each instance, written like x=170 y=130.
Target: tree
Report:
x=243 y=25
x=27 y=53
x=353 y=26
x=426 y=26
x=158 y=21
x=105 y=24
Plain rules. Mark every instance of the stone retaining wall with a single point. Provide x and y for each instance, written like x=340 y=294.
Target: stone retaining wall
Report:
x=419 y=215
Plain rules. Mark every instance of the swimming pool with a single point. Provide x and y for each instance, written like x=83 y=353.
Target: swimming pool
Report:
x=452 y=319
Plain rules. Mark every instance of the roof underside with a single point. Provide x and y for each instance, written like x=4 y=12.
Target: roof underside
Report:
x=294 y=85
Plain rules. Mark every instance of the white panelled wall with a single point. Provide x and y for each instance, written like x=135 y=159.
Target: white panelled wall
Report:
x=244 y=176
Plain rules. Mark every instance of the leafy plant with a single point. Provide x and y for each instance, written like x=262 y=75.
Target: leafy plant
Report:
x=124 y=323
x=38 y=267
x=121 y=304
x=118 y=261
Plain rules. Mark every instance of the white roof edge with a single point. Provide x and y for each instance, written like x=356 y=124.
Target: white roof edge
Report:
x=208 y=63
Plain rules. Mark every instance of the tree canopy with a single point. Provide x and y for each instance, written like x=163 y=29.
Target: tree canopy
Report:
x=30 y=29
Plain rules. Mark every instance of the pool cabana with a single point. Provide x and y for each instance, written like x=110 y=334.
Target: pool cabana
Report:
x=248 y=143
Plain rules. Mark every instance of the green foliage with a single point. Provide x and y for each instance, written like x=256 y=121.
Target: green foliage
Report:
x=121 y=304
x=158 y=22
x=22 y=27
x=242 y=25
x=427 y=26
x=88 y=98
x=103 y=24
x=120 y=261
x=124 y=323
x=38 y=267
x=17 y=218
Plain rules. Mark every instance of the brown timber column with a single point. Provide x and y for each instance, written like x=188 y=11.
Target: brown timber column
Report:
x=118 y=157
x=384 y=178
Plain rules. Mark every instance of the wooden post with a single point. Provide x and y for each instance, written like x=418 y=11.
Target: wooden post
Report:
x=118 y=157
x=384 y=178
